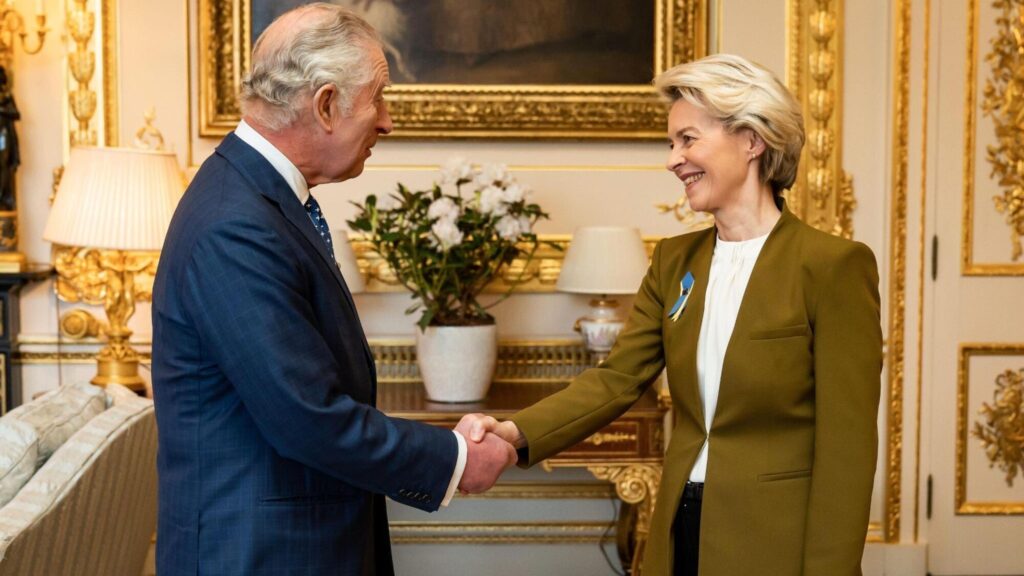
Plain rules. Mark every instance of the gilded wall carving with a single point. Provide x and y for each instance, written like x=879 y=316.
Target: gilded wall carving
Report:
x=823 y=193
x=1001 y=429
x=1003 y=102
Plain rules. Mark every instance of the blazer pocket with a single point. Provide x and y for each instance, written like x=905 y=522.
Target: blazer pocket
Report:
x=784 y=332
x=776 y=476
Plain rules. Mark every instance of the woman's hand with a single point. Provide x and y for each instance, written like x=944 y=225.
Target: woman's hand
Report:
x=474 y=427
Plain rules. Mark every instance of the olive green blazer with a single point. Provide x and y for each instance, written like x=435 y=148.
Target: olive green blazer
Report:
x=793 y=441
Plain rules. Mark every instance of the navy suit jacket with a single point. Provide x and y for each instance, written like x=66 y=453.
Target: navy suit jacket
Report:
x=272 y=458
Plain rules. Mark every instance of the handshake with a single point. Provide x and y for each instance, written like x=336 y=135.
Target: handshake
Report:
x=491 y=449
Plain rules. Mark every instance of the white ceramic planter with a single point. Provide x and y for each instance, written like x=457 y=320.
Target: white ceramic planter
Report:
x=457 y=362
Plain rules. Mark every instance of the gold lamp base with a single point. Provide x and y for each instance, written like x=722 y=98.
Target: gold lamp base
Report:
x=106 y=277
x=124 y=372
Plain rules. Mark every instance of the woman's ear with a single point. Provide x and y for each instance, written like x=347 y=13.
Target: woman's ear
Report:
x=755 y=145
x=325 y=106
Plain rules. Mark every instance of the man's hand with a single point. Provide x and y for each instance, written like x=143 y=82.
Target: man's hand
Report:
x=486 y=459
x=474 y=427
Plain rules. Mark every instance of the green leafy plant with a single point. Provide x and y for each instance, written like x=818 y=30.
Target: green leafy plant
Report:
x=445 y=246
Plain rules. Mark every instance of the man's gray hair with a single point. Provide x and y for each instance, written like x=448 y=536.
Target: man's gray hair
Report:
x=332 y=50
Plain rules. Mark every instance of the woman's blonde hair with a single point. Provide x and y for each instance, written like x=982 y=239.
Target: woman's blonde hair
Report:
x=741 y=94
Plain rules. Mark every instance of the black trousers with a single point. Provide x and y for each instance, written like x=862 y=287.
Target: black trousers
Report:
x=687 y=530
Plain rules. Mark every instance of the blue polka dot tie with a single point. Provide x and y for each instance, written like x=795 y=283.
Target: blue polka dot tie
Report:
x=313 y=209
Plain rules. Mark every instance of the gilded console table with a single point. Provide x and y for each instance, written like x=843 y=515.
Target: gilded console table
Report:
x=627 y=452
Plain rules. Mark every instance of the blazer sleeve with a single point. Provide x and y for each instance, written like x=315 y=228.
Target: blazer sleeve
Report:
x=600 y=395
x=847 y=368
x=247 y=294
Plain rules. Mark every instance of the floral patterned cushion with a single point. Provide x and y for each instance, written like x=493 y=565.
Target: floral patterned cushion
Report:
x=19 y=445
x=57 y=414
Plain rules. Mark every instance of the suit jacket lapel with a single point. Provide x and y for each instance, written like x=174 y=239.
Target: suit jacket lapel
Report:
x=268 y=181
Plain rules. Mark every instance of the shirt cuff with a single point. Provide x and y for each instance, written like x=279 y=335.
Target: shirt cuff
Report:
x=460 y=467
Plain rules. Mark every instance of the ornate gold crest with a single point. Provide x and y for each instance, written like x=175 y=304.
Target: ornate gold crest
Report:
x=1002 y=433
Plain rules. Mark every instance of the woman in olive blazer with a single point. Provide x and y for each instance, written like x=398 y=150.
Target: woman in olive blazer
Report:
x=792 y=444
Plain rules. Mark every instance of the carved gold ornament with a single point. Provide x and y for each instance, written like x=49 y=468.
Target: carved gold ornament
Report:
x=1002 y=432
x=538 y=275
x=602 y=438
x=823 y=192
x=114 y=279
x=1003 y=102
x=635 y=484
x=478 y=111
x=81 y=23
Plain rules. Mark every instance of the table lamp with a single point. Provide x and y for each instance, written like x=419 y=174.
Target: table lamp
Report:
x=107 y=224
x=347 y=263
x=603 y=261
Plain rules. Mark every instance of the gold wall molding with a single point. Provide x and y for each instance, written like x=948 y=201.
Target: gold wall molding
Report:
x=110 y=63
x=408 y=532
x=1005 y=67
x=82 y=65
x=897 y=270
x=474 y=111
x=538 y=275
x=823 y=193
x=921 y=251
x=962 y=505
x=83 y=99
x=546 y=491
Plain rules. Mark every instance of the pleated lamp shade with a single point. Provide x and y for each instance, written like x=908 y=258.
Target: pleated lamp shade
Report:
x=604 y=260
x=115 y=198
x=347 y=263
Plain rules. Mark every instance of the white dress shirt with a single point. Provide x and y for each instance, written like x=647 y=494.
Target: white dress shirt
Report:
x=297 y=182
x=731 y=265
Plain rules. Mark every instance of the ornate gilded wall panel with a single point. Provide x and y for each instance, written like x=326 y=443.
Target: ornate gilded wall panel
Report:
x=1002 y=104
x=476 y=111
x=538 y=275
x=990 y=430
x=92 y=30
x=823 y=193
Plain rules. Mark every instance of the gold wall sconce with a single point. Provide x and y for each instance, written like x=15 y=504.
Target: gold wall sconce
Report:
x=12 y=26
x=107 y=225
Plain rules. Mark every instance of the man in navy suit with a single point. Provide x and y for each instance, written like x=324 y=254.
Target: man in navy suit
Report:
x=272 y=458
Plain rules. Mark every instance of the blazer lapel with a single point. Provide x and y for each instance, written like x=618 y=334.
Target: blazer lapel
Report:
x=688 y=325
x=757 y=296
x=268 y=181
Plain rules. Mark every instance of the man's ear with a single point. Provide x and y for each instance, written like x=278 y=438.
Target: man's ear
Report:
x=325 y=106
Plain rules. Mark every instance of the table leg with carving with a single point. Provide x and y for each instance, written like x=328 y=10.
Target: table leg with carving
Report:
x=635 y=484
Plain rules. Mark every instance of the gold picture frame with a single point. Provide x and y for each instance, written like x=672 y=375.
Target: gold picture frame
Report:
x=627 y=111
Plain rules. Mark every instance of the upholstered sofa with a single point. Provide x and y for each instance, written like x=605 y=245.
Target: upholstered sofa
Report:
x=86 y=459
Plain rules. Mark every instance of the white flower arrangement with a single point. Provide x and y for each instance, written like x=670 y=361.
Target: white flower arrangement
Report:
x=446 y=247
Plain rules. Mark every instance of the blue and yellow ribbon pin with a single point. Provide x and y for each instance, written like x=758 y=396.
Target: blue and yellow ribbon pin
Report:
x=684 y=294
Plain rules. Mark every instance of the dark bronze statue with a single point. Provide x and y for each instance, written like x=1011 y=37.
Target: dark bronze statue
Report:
x=10 y=157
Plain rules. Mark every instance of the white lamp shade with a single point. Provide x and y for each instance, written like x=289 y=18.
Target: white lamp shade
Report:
x=347 y=262
x=604 y=260
x=115 y=198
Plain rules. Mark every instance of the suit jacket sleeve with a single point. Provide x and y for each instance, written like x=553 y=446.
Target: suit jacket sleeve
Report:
x=847 y=367
x=247 y=294
x=600 y=395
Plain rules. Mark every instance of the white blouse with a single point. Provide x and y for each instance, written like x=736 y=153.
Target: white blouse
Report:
x=731 y=265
